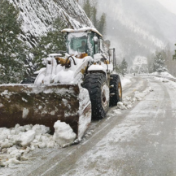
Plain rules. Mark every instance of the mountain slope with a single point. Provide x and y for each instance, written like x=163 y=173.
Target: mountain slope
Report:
x=38 y=16
x=138 y=27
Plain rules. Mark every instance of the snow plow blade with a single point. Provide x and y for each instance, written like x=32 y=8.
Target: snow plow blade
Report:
x=30 y=104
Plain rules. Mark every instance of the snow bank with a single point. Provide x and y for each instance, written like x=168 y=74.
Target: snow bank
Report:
x=125 y=80
x=129 y=101
x=17 y=142
x=25 y=138
x=64 y=134
x=164 y=77
x=163 y=74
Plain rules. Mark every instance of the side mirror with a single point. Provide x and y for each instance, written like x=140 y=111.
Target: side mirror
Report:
x=95 y=39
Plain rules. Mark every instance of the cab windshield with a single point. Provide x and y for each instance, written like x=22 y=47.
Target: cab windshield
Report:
x=77 y=43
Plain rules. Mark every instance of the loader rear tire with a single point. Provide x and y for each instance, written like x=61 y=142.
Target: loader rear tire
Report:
x=115 y=90
x=98 y=88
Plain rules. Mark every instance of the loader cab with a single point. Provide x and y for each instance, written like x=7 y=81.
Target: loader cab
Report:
x=86 y=40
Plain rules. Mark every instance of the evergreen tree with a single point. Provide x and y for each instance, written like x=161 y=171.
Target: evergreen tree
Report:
x=94 y=16
x=150 y=64
x=91 y=12
x=12 y=54
x=174 y=56
x=102 y=24
x=159 y=62
x=52 y=42
x=124 y=67
x=88 y=8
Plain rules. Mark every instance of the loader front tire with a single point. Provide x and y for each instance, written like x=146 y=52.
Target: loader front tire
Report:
x=115 y=90
x=98 y=88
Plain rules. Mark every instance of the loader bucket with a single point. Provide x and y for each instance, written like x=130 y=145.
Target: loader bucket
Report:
x=31 y=104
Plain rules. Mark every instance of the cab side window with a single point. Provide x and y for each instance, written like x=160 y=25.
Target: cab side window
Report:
x=97 y=44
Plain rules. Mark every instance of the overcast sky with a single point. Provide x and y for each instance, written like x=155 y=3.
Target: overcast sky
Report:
x=170 y=4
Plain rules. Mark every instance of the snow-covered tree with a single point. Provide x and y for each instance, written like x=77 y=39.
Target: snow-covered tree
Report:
x=12 y=54
x=91 y=11
x=159 y=62
x=102 y=24
x=94 y=16
x=124 y=67
x=88 y=8
x=174 y=56
x=52 y=42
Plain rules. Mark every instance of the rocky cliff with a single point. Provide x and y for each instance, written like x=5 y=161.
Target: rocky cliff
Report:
x=37 y=16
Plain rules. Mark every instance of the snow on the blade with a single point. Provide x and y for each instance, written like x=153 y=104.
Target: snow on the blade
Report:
x=5 y=92
x=64 y=134
x=25 y=113
x=1 y=105
x=84 y=112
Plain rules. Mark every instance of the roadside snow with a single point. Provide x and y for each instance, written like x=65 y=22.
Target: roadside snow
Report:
x=164 y=77
x=17 y=142
x=64 y=134
x=163 y=74
x=25 y=138
x=125 y=80
x=161 y=79
x=128 y=101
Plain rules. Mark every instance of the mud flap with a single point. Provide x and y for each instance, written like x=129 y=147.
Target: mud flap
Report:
x=30 y=104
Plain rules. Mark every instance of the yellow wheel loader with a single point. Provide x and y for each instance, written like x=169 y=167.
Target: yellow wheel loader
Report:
x=73 y=88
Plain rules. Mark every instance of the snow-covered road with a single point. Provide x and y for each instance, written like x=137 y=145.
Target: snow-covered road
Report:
x=137 y=141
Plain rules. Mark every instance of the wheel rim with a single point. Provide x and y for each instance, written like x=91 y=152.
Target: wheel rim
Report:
x=119 y=90
x=105 y=96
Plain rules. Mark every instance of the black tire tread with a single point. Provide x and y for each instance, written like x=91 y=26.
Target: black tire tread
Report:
x=115 y=80
x=93 y=83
